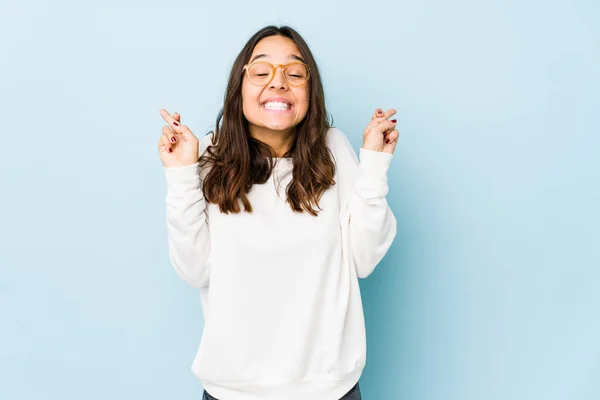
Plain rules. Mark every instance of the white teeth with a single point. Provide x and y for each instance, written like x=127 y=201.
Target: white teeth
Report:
x=275 y=105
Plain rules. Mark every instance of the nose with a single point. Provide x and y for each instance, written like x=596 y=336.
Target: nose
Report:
x=278 y=80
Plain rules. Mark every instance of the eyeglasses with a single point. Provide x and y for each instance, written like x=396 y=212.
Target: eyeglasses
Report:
x=261 y=73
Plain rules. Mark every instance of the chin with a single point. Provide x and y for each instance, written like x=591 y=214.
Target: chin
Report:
x=279 y=127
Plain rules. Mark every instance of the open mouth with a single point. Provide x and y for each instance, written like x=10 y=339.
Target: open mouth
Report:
x=276 y=106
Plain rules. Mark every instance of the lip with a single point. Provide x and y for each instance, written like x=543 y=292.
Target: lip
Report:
x=279 y=100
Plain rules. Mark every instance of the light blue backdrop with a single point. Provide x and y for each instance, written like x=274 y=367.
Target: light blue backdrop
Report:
x=491 y=289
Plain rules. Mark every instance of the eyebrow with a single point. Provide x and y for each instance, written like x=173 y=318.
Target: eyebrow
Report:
x=292 y=56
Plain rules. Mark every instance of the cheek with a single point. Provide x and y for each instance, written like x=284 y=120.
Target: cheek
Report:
x=302 y=99
x=249 y=99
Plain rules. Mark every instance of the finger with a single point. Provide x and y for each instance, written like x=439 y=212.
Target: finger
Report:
x=389 y=113
x=170 y=120
x=164 y=145
x=186 y=133
x=169 y=134
x=177 y=117
x=377 y=114
x=177 y=128
x=169 y=142
x=392 y=136
x=372 y=123
x=387 y=130
x=390 y=147
x=384 y=126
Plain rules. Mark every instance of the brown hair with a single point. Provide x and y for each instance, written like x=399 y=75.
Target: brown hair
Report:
x=238 y=160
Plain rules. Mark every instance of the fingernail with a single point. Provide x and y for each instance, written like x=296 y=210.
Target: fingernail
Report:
x=387 y=141
x=379 y=113
x=394 y=121
x=170 y=150
x=173 y=139
x=175 y=123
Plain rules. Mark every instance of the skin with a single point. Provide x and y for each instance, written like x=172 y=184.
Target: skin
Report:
x=178 y=146
x=381 y=133
x=275 y=128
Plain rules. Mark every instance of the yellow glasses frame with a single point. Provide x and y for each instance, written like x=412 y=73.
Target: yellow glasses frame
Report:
x=284 y=68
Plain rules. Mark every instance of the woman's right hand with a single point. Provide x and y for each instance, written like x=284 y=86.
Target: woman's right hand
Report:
x=178 y=147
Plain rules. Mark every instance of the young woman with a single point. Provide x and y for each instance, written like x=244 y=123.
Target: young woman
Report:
x=274 y=219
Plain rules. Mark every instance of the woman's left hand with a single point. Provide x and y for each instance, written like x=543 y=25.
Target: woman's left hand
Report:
x=381 y=134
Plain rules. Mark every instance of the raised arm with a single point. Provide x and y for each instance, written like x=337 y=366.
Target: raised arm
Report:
x=188 y=232
x=369 y=225
x=187 y=225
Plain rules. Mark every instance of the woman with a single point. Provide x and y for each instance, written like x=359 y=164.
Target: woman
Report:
x=274 y=219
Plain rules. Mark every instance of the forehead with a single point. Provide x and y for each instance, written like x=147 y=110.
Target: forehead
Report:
x=276 y=47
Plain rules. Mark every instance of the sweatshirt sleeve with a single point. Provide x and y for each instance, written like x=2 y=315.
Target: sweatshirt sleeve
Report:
x=369 y=222
x=187 y=225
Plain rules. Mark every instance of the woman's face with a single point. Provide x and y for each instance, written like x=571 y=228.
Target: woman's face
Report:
x=276 y=50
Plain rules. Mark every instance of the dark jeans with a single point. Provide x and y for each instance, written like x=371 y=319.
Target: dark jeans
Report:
x=353 y=394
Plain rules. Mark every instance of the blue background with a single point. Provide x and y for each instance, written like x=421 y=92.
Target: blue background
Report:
x=491 y=289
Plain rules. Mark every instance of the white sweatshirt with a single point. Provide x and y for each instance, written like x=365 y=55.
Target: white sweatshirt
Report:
x=283 y=317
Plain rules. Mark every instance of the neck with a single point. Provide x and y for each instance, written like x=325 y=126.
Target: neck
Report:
x=280 y=141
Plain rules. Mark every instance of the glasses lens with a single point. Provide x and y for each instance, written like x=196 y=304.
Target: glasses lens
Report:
x=260 y=73
x=296 y=73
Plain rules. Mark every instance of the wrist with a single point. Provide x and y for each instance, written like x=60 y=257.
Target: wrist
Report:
x=374 y=160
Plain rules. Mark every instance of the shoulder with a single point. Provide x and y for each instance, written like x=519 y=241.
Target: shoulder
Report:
x=335 y=137
x=339 y=144
x=204 y=142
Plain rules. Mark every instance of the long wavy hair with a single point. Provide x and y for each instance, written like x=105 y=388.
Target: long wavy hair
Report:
x=238 y=160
